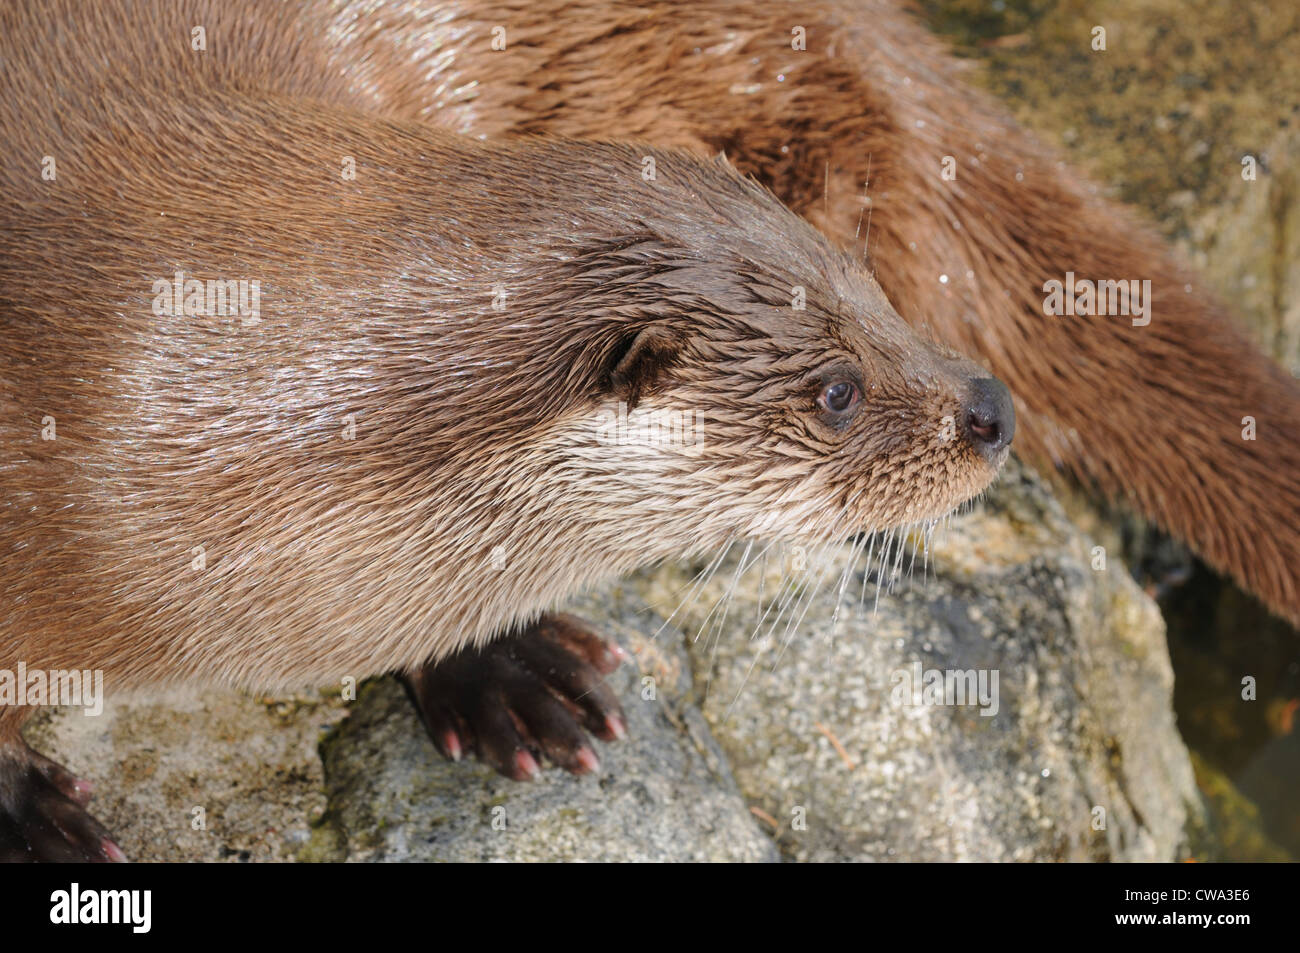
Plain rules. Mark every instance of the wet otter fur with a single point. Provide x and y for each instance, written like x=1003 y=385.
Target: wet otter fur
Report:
x=852 y=133
x=398 y=457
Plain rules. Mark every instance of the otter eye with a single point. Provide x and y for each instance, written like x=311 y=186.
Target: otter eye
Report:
x=840 y=398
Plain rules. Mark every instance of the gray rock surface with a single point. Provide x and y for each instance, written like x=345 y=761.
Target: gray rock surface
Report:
x=1083 y=718
x=250 y=764
x=740 y=748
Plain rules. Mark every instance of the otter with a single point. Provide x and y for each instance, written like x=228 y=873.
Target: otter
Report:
x=297 y=389
x=848 y=110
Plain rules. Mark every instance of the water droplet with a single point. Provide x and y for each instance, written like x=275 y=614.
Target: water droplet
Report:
x=943 y=279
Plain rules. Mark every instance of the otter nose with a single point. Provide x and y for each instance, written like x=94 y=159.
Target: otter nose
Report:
x=990 y=415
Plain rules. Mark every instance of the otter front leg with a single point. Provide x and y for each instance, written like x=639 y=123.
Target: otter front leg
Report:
x=524 y=695
x=42 y=807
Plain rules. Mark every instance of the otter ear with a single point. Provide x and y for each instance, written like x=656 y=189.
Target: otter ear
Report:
x=641 y=360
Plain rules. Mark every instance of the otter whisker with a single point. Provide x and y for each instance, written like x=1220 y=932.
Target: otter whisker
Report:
x=829 y=540
x=898 y=560
x=866 y=568
x=790 y=585
x=725 y=600
x=793 y=585
x=880 y=573
x=807 y=599
x=695 y=586
x=726 y=594
x=849 y=563
x=866 y=241
x=785 y=580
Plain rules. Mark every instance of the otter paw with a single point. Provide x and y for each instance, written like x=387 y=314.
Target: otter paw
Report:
x=522 y=696
x=42 y=813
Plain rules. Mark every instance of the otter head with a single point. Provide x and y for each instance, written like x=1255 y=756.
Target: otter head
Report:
x=685 y=363
x=802 y=410
x=764 y=387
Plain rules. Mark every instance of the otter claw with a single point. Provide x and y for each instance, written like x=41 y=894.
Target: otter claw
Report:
x=525 y=695
x=42 y=815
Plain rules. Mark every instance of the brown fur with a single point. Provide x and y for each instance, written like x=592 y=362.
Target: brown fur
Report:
x=1151 y=413
x=328 y=557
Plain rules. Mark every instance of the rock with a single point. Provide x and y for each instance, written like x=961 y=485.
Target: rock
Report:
x=250 y=765
x=1083 y=719
x=1238 y=830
